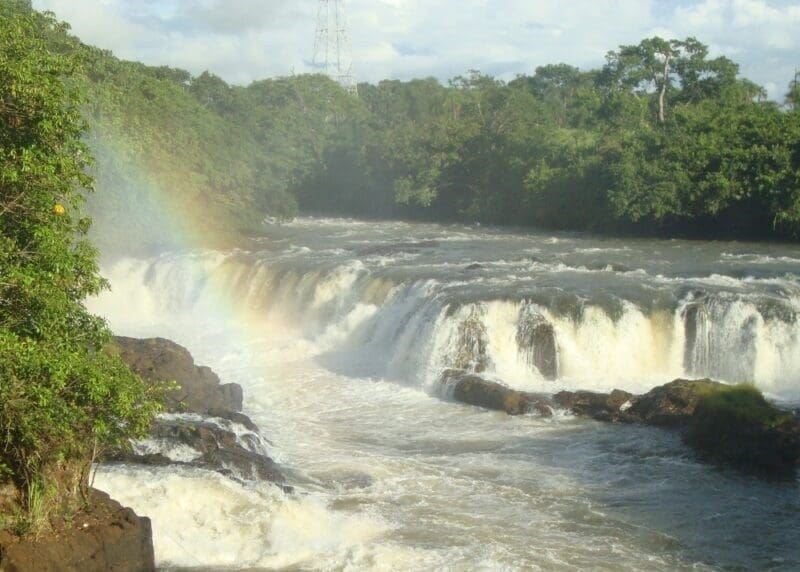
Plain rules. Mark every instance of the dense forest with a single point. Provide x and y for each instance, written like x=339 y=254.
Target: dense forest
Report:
x=663 y=139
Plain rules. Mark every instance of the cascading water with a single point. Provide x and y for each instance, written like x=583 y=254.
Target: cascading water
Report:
x=338 y=331
x=419 y=325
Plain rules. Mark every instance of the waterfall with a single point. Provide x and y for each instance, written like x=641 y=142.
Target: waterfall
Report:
x=408 y=328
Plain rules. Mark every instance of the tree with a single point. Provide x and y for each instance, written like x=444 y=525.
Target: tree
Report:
x=61 y=397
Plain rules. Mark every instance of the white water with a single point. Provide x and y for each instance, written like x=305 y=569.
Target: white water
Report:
x=338 y=351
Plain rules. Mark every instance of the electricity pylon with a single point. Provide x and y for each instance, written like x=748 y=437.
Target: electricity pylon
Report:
x=332 y=44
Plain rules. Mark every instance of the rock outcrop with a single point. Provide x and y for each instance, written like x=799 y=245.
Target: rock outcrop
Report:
x=601 y=406
x=730 y=425
x=106 y=537
x=536 y=338
x=200 y=390
x=216 y=444
x=474 y=390
x=216 y=448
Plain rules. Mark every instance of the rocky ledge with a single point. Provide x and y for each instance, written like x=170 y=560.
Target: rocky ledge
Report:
x=105 y=537
x=731 y=425
x=205 y=427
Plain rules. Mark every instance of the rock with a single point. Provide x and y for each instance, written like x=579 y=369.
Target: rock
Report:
x=736 y=425
x=233 y=416
x=730 y=425
x=536 y=338
x=472 y=344
x=474 y=390
x=608 y=407
x=200 y=390
x=218 y=449
x=474 y=266
x=107 y=537
x=673 y=404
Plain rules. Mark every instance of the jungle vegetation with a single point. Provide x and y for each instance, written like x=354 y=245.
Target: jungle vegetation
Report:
x=663 y=139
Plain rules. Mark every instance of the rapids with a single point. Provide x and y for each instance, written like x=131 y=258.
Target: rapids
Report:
x=338 y=329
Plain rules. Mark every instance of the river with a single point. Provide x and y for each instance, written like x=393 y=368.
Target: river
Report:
x=338 y=330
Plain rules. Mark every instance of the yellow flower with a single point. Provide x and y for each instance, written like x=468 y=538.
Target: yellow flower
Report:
x=59 y=209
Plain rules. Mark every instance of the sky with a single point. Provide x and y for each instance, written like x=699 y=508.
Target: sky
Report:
x=245 y=40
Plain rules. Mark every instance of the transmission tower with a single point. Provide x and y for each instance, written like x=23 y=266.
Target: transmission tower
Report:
x=332 y=44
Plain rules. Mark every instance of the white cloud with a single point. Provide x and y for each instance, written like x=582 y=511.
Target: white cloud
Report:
x=242 y=40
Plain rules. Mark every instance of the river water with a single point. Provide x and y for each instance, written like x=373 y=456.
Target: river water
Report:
x=338 y=330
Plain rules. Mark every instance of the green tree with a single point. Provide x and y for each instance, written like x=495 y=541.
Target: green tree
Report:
x=61 y=397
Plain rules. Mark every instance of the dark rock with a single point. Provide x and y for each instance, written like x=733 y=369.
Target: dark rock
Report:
x=472 y=344
x=694 y=320
x=218 y=448
x=673 y=404
x=107 y=537
x=474 y=390
x=474 y=266
x=601 y=406
x=731 y=425
x=200 y=390
x=536 y=338
x=233 y=416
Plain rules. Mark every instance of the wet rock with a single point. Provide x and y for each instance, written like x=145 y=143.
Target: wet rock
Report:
x=536 y=339
x=673 y=404
x=610 y=407
x=474 y=390
x=472 y=344
x=218 y=449
x=694 y=324
x=474 y=266
x=730 y=425
x=233 y=416
x=106 y=537
x=200 y=390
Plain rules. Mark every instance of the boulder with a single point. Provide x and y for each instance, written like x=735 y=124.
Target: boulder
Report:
x=736 y=425
x=730 y=425
x=157 y=359
x=200 y=392
x=472 y=344
x=474 y=390
x=610 y=407
x=536 y=339
x=218 y=449
x=673 y=404
x=106 y=537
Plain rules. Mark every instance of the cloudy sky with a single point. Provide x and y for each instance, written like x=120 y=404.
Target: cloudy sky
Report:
x=243 y=40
